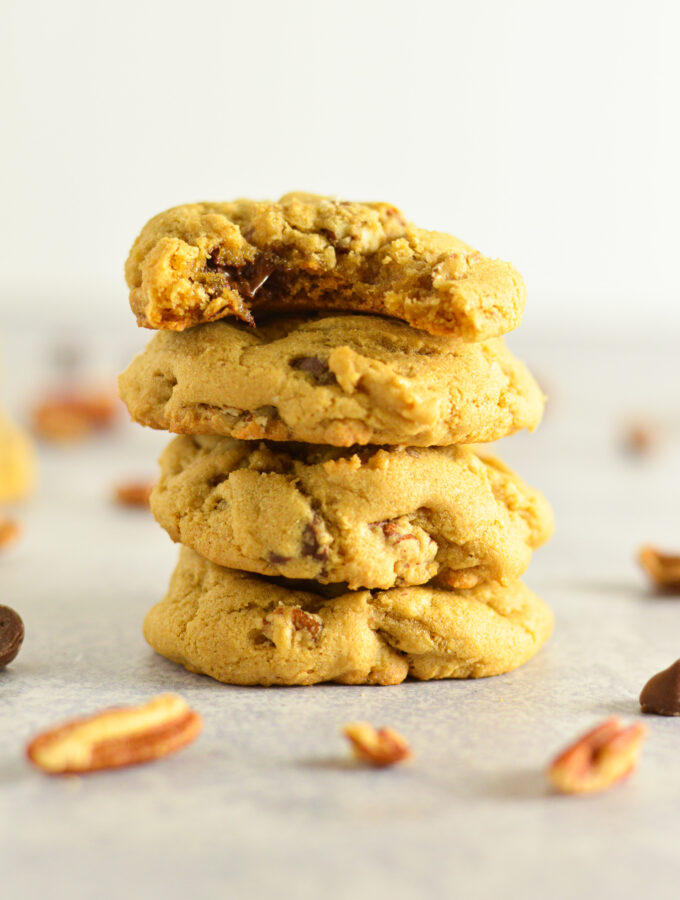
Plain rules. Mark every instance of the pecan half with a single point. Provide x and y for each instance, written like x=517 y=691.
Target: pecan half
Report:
x=598 y=759
x=378 y=747
x=74 y=413
x=134 y=493
x=116 y=737
x=662 y=568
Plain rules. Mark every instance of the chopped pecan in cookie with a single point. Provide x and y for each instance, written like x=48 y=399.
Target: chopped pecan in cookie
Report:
x=286 y=623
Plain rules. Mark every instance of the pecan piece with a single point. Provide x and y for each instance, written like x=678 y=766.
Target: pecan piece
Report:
x=640 y=438
x=134 y=493
x=598 y=759
x=662 y=568
x=74 y=413
x=378 y=747
x=285 y=623
x=9 y=531
x=118 y=737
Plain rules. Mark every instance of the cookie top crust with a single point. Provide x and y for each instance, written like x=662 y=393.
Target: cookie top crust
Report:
x=338 y=380
x=368 y=517
x=242 y=628
x=204 y=261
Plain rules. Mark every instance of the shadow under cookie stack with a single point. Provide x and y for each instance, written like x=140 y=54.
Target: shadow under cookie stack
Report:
x=326 y=365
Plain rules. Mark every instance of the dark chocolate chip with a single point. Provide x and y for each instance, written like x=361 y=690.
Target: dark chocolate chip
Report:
x=310 y=540
x=246 y=279
x=661 y=694
x=276 y=559
x=255 y=275
x=317 y=368
x=11 y=635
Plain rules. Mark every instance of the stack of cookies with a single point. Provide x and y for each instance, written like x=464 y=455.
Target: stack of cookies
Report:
x=328 y=366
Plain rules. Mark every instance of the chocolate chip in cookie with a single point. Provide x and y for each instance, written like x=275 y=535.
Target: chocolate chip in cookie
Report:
x=317 y=368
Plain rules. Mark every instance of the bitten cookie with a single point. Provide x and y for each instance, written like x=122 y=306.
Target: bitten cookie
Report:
x=17 y=462
x=370 y=517
x=200 y=262
x=244 y=629
x=338 y=380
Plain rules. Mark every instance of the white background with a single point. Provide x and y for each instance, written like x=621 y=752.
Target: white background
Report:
x=542 y=133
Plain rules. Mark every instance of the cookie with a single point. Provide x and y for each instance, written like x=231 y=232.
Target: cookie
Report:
x=17 y=462
x=370 y=517
x=338 y=380
x=203 y=261
x=245 y=629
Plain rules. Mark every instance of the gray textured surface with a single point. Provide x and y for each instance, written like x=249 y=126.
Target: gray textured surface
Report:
x=265 y=803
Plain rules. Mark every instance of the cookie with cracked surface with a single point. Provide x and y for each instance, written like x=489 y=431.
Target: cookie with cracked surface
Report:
x=17 y=462
x=245 y=629
x=338 y=380
x=203 y=261
x=370 y=517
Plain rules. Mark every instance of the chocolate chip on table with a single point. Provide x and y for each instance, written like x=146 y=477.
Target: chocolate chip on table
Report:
x=11 y=635
x=661 y=694
x=317 y=368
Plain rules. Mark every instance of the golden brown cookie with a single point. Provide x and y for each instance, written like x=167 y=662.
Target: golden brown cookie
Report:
x=17 y=462
x=200 y=262
x=339 y=380
x=370 y=517
x=244 y=629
